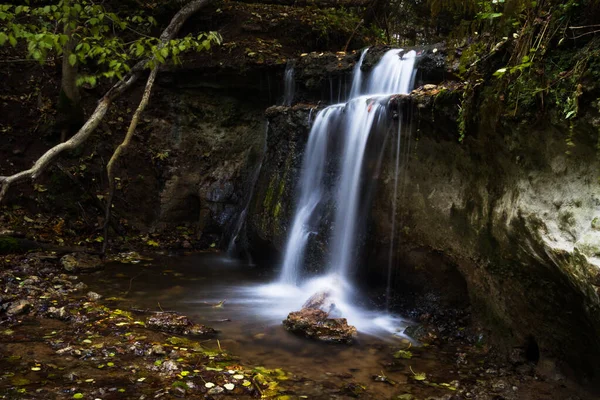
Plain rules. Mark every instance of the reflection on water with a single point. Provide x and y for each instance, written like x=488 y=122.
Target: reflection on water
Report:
x=233 y=298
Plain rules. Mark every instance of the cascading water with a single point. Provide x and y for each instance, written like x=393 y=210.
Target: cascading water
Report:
x=357 y=79
x=310 y=194
x=351 y=124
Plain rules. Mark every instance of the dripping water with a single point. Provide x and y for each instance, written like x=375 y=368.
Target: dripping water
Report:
x=289 y=84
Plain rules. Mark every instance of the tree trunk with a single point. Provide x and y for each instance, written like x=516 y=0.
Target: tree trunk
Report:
x=70 y=111
x=92 y=123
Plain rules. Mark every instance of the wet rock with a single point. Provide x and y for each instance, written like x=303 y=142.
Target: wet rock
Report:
x=417 y=332
x=81 y=286
x=169 y=366
x=57 y=313
x=80 y=262
x=93 y=296
x=158 y=350
x=18 y=307
x=322 y=301
x=319 y=319
x=178 y=324
x=32 y=281
x=316 y=324
x=216 y=390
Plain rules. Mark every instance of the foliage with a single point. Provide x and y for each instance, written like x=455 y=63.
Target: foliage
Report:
x=105 y=42
x=531 y=59
x=339 y=24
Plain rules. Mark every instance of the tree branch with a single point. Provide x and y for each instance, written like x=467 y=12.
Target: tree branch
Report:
x=92 y=123
x=174 y=27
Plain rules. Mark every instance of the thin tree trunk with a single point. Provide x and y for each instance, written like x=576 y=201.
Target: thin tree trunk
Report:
x=69 y=100
x=92 y=123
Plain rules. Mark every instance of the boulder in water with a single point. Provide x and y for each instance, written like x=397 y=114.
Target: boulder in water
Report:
x=80 y=262
x=314 y=321
x=178 y=324
x=322 y=301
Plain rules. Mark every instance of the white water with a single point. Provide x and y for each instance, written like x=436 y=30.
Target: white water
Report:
x=360 y=114
x=349 y=125
x=357 y=73
x=311 y=193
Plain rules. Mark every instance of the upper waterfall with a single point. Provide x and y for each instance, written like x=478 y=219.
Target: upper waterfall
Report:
x=348 y=125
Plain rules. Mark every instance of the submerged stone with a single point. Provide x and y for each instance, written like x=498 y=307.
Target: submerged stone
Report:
x=178 y=324
x=57 y=313
x=80 y=262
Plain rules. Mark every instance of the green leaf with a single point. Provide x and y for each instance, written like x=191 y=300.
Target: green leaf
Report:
x=403 y=354
x=78 y=396
x=72 y=59
x=139 y=49
x=500 y=72
x=3 y=38
x=12 y=40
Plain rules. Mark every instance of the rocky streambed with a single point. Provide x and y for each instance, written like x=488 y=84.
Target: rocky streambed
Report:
x=132 y=331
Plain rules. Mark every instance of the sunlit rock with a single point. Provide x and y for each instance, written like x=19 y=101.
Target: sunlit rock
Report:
x=315 y=321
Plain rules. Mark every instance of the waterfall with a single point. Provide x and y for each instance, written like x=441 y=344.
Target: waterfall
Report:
x=289 y=84
x=361 y=114
x=357 y=80
x=310 y=194
x=343 y=131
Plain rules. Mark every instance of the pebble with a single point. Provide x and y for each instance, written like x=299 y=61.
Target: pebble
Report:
x=216 y=390
x=158 y=350
x=58 y=313
x=18 y=307
x=93 y=296
x=169 y=366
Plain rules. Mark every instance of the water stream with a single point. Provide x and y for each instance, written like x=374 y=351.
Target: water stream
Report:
x=342 y=132
x=215 y=290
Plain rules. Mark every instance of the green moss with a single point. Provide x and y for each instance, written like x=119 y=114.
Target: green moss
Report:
x=269 y=195
x=277 y=210
x=470 y=55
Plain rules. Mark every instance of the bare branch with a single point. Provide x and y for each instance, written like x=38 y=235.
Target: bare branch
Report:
x=167 y=35
x=92 y=123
